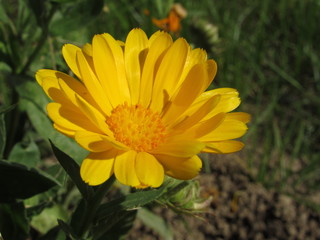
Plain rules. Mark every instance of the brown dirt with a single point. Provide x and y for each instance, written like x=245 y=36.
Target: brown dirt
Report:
x=240 y=209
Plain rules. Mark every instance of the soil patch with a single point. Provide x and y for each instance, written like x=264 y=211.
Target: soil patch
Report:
x=240 y=209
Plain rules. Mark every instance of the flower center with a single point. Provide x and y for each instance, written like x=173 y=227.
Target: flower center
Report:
x=137 y=127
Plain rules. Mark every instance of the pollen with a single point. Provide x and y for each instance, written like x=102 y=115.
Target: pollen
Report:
x=137 y=127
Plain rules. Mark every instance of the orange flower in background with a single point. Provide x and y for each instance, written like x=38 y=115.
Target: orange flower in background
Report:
x=172 y=22
x=140 y=108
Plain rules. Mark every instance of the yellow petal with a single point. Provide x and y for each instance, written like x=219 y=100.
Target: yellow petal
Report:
x=228 y=129
x=115 y=143
x=149 y=171
x=155 y=35
x=94 y=115
x=157 y=48
x=105 y=66
x=70 y=118
x=124 y=169
x=68 y=132
x=48 y=79
x=195 y=56
x=93 y=142
x=75 y=88
x=181 y=168
x=223 y=147
x=96 y=168
x=169 y=73
x=42 y=74
x=69 y=53
x=203 y=128
x=92 y=84
x=136 y=44
x=229 y=100
x=189 y=121
x=182 y=148
x=190 y=89
x=117 y=51
x=211 y=71
x=240 y=116
x=87 y=49
x=53 y=90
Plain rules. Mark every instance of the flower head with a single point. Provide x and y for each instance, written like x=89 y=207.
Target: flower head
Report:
x=140 y=108
x=172 y=22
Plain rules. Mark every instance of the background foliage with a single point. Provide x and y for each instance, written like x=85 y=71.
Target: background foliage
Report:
x=268 y=50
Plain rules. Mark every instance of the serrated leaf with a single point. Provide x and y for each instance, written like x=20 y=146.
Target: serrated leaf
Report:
x=73 y=170
x=28 y=155
x=19 y=182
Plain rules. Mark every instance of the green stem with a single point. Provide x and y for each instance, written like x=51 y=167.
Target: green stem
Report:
x=93 y=205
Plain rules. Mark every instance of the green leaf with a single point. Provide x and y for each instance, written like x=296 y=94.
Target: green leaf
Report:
x=26 y=154
x=155 y=222
x=75 y=16
x=6 y=109
x=47 y=219
x=13 y=221
x=40 y=10
x=117 y=227
x=130 y=201
x=19 y=182
x=68 y=230
x=57 y=172
x=73 y=170
x=3 y=133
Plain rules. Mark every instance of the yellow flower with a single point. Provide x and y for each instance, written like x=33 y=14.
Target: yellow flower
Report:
x=140 y=108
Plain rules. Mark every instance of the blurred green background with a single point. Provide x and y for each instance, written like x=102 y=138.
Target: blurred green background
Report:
x=268 y=50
